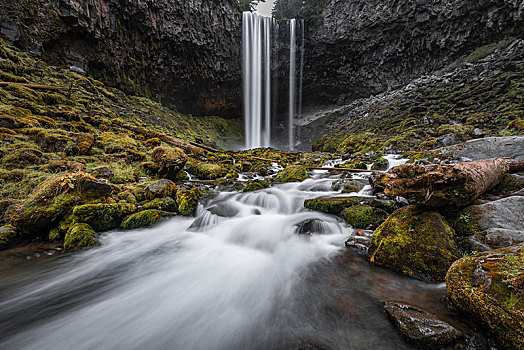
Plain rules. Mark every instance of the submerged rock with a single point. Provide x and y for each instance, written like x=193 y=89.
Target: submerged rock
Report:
x=255 y=185
x=146 y=218
x=419 y=326
x=310 y=226
x=416 y=243
x=490 y=286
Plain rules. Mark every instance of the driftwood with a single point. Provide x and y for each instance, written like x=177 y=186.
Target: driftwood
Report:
x=264 y=159
x=342 y=169
x=445 y=185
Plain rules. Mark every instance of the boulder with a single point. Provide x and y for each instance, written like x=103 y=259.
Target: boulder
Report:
x=102 y=217
x=160 y=189
x=490 y=286
x=494 y=224
x=488 y=147
x=415 y=243
x=80 y=236
x=380 y=164
x=362 y=216
x=187 y=201
x=331 y=205
x=146 y=218
x=419 y=326
x=449 y=140
x=205 y=170
x=9 y=236
x=292 y=173
x=170 y=160
x=163 y=204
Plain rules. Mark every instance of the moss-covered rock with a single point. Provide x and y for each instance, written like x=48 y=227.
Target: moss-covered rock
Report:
x=167 y=204
x=205 y=170
x=347 y=186
x=380 y=164
x=256 y=185
x=170 y=161
x=160 y=189
x=103 y=217
x=331 y=205
x=9 y=236
x=292 y=173
x=187 y=201
x=361 y=216
x=416 y=243
x=490 y=286
x=145 y=218
x=80 y=236
x=23 y=157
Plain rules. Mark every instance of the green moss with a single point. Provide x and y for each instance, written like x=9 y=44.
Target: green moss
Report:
x=361 y=216
x=415 y=243
x=166 y=204
x=331 y=205
x=205 y=170
x=187 y=201
x=169 y=161
x=146 y=218
x=256 y=185
x=9 y=236
x=160 y=189
x=292 y=173
x=380 y=164
x=103 y=217
x=357 y=164
x=80 y=236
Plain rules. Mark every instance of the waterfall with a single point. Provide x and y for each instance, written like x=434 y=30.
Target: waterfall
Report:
x=301 y=82
x=256 y=44
x=292 y=73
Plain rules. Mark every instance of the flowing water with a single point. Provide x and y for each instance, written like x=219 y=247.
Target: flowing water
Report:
x=238 y=276
x=292 y=76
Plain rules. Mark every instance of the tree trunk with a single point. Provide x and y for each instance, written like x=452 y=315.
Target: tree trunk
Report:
x=445 y=185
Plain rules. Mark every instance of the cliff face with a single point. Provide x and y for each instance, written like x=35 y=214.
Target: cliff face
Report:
x=185 y=52
x=359 y=48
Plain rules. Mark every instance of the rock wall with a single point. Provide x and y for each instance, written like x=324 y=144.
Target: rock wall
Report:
x=357 y=48
x=185 y=52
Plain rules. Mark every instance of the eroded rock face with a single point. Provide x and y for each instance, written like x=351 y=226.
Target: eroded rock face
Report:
x=419 y=326
x=187 y=52
x=360 y=48
x=490 y=287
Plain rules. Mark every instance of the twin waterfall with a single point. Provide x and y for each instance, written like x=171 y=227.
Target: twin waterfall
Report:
x=259 y=45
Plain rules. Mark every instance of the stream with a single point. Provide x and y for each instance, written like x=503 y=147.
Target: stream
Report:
x=238 y=276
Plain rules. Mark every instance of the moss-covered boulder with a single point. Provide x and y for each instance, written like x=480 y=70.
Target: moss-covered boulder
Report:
x=103 y=217
x=416 y=243
x=187 y=201
x=205 y=170
x=160 y=189
x=9 y=236
x=361 y=216
x=23 y=157
x=55 y=198
x=380 y=164
x=167 y=204
x=347 y=186
x=80 y=236
x=145 y=218
x=331 y=205
x=170 y=161
x=292 y=173
x=490 y=286
x=256 y=185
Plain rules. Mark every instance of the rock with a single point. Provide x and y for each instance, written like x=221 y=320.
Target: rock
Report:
x=331 y=205
x=104 y=172
x=292 y=173
x=360 y=243
x=160 y=189
x=310 y=226
x=169 y=161
x=23 y=157
x=362 y=216
x=80 y=236
x=205 y=170
x=187 y=201
x=167 y=204
x=416 y=243
x=449 y=140
x=490 y=287
x=146 y=218
x=478 y=133
x=255 y=185
x=347 y=186
x=380 y=164
x=76 y=69
x=419 y=326
x=5 y=203
x=489 y=147
x=494 y=224
x=385 y=204
x=9 y=236
x=102 y=217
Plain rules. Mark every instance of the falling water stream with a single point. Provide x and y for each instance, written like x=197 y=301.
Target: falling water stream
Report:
x=238 y=276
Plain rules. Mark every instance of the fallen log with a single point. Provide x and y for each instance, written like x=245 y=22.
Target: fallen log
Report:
x=264 y=159
x=342 y=169
x=445 y=185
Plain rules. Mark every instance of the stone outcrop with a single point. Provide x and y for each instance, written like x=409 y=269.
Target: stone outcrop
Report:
x=360 y=48
x=183 y=52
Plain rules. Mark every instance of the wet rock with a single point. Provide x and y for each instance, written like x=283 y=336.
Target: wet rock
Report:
x=187 y=201
x=419 y=326
x=359 y=243
x=331 y=205
x=494 y=224
x=160 y=189
x=9 y=236
x=167 y=204
x=102 y=217
x=380 y=164
x=489 y=147
x=255 y=185
x=385 y=204
x=80 y=236
x=347 y=186
x=310 y=226
x=142 y=219
x=364 y=216
x=224 y=210
x=292 y=173
x=490 y=286
x=170 y=161
x=205 y=170
x=449 y=140
x=416 y=243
